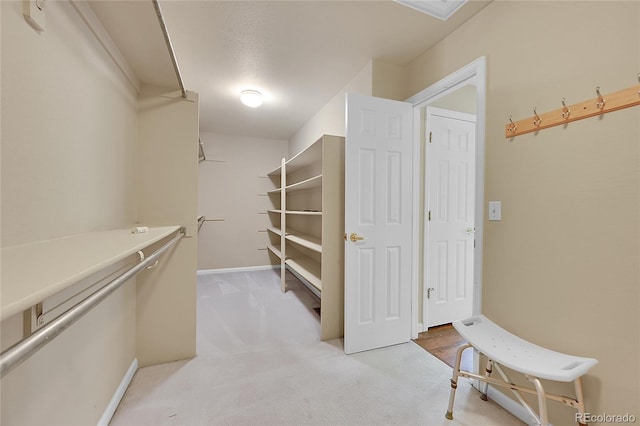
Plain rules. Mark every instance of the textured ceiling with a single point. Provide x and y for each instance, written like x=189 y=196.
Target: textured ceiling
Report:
x=298 y=53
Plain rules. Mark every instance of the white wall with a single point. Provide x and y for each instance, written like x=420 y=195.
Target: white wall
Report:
x=68 y=166
x=228 y=188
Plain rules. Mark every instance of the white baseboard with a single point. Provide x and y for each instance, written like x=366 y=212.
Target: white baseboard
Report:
x=242 y=269
x=119 y=393
x=512 y=406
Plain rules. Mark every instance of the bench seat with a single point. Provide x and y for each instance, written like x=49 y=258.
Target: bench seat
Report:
x=520 y=355
x=535 y=362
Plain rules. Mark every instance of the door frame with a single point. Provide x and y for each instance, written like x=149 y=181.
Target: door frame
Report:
x=472 y=73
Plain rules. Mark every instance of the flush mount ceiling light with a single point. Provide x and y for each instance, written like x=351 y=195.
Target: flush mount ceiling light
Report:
x=441 y=9
x=251 y=98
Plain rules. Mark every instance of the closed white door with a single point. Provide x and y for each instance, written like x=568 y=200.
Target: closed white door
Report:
x=450 y=212
x=378 y=191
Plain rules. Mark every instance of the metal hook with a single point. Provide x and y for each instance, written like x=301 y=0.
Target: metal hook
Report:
x=153 y=265
x=601 y=101
x=140 y=254
x=537 y=120
x=512 y=127
x=565 y=110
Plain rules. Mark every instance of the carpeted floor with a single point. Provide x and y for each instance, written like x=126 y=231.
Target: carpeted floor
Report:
x=260 y=362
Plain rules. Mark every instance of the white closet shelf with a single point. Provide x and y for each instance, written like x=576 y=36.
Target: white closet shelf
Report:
x=303 y=212
x=307 y=269
x=276 y=172
x=311 y=183
x=275 y=250
x=276 y=231
x=305 y=158
x=32 y=272
x=305 y=240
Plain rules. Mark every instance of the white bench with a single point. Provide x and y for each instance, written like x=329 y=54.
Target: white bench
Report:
x=535 y=362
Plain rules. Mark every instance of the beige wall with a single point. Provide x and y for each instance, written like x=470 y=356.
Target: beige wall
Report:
x=167 y=185
x=330 y=120
x=82 y=151
x=388 y=80
x=561 y=268
x=68 y=166
x=228 y=188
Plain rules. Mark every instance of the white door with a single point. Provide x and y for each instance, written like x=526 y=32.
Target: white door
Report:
x=450 y=212
x=378 y=191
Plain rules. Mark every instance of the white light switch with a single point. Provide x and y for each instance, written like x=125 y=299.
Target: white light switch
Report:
x=495 y=210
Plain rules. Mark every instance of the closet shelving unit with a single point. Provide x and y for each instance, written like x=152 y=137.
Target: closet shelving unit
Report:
x=33 y=272
x=307 y=226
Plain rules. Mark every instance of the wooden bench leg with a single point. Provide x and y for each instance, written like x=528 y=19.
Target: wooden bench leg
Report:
x=577 y=384
x=454 y=380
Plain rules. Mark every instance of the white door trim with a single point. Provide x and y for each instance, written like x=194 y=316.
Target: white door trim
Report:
x=473 y=73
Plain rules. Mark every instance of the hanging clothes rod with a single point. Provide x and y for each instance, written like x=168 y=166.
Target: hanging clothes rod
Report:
x=21 y=351
x=172 y=53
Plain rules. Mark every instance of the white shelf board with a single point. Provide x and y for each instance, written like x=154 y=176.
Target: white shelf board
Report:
x=32 y=272
x=305 y=240
x=275 y=250
x=303 y=212
x=307 y=157
x=275 y=172
x=311 y=183
x=276 y=231
x=308 y=269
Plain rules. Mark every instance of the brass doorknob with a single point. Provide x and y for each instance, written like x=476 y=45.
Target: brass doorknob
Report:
x=355 y=237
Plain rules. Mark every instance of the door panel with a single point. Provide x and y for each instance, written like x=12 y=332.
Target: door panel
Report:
x=378 y=191
x=450 y=198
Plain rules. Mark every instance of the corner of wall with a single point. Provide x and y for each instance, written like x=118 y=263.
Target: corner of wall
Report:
x=388 y=80
x=330 y=119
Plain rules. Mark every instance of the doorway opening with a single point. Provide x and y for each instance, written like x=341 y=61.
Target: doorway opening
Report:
x=464 y=92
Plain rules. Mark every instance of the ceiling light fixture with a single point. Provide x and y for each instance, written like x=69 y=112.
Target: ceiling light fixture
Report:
x=441 y=9
x=251 y=98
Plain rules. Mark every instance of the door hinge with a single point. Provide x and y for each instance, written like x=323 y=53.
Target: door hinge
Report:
x=430 y=136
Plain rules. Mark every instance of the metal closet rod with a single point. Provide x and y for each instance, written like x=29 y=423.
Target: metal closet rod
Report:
x=21 y=351
x=172 y=53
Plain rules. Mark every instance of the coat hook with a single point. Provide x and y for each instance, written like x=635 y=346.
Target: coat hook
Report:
x=536 y=120
x=601 y=101
x=512 y=127
x=565 y=110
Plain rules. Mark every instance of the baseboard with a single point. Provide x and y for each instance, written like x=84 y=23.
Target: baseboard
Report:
x=242 y=269
x=119 y=393
x=510 y=405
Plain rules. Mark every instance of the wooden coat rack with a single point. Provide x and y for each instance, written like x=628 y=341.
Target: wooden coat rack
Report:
x=597 y=106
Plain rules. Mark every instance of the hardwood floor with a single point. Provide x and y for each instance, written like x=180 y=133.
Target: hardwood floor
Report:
x=443 y=342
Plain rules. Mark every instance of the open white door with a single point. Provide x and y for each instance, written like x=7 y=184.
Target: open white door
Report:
x=450 y=205
x=378 y=223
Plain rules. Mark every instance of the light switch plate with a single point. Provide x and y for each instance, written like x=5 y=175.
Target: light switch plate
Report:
x=495 y=210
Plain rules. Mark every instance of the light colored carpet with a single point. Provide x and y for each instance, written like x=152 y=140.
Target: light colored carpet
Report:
x=260 y=362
